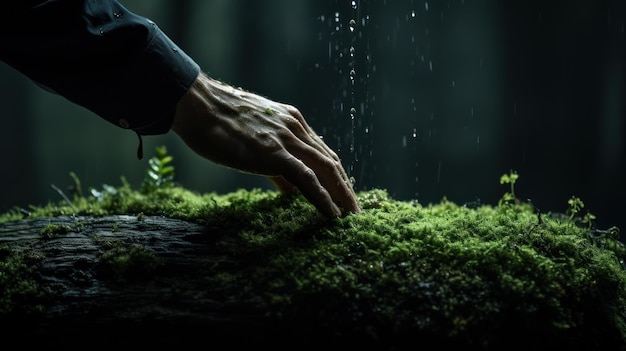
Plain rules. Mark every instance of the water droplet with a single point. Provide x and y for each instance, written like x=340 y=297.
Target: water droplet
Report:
x=414 y=133
x=117 y=14
x=352 y=24
x=354 y=4
x=352 y=51
x=101 y=31
x=426 y=5
x=175 y=49
x=413 y=13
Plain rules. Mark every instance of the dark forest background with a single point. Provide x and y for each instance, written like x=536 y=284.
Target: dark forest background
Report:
x=436 y=99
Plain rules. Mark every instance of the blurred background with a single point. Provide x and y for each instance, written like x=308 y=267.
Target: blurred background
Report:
x=427 y=99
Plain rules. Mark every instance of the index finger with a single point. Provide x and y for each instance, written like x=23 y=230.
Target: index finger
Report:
x=335 y=179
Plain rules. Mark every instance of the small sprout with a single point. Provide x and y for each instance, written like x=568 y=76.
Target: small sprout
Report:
x=160 y=171
x=588 y=219
x=509 y=196
x=269 y=111
x=575 y=205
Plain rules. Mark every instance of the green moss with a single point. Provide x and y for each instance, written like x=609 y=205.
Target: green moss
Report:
x=19 y=291
x=121 y=265
x=443 y=271
x=50 y=230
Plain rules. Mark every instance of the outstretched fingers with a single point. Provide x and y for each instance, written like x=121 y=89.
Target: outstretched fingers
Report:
x=325 y=163
x=304 y=178
x=317 y=171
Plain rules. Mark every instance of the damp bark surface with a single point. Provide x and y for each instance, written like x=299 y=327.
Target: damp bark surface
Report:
x=163 y=298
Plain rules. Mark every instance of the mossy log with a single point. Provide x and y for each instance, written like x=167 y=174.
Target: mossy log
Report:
x=121 y=279
x=256 y=268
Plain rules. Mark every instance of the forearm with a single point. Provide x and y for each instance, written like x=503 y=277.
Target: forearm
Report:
x=103 y=57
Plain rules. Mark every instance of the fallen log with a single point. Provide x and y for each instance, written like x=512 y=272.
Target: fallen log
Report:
x=123 y=278
x=255 y=269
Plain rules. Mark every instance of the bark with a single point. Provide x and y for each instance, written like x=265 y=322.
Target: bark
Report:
x=160 y=301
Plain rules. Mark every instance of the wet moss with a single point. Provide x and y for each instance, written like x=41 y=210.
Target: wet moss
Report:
x=50 y=230
x=19 y=291
x=472 y=276
x=120 y=264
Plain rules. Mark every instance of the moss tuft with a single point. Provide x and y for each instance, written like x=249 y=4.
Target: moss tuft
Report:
x=18 y=288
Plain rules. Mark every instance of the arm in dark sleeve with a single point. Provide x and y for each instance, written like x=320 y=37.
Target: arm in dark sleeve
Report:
x=101 y=56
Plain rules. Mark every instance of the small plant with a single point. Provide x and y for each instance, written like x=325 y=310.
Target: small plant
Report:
x=588 y=219
x=509 y=196
x=574 y=209
x=160 y=171
x=574 y=206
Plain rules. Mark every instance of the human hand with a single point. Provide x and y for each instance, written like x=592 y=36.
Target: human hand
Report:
x=253 y=134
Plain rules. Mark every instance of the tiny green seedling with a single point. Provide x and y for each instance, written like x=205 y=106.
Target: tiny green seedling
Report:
x=575 y=206
x=509 y=196
x=160 y=171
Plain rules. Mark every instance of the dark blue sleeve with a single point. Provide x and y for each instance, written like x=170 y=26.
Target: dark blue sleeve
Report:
x=101 y=56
